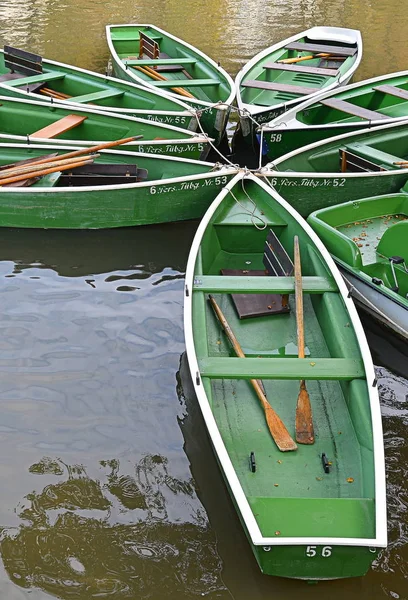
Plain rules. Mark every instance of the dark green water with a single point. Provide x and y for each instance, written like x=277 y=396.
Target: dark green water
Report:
x=109 y=488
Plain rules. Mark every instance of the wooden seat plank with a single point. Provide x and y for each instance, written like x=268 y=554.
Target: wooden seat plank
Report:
x=392 y=91
x=352 y=109
x=261 y=285
x=279 y=87
x=302 y=69
x=337 y=50
x=282 y=368
x=59 y=127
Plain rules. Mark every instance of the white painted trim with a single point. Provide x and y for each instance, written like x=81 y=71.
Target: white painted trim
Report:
x=119 y=62
x=86 y=109
x=339 y=80
x=229 y=472
x=222 y=170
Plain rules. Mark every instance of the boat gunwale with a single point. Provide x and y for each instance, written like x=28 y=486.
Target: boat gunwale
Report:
x=88 y=109
x=294 y=123
x=256 y=109
x=242 y=503
x=205 y=57
x=223 y=170
x=320 y=143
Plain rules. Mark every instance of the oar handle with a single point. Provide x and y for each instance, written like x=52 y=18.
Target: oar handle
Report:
x=299 y=299
x=47 y=171
x=38 y=165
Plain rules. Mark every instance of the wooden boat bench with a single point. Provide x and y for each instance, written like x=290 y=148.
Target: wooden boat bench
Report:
x=322 y=48
x=362 y=158
x=22 y=63
x=392 y=91
x=92 y=96
x=352 y=109
x=277 y=264
x=302 y=69
x=159 y=60
x=279 y=87
x=103 y=174
x=59 y=127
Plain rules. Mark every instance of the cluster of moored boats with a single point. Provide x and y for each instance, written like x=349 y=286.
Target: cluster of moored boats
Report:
x=267 y=312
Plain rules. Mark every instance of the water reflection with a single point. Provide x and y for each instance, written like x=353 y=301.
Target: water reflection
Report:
x=113 y=536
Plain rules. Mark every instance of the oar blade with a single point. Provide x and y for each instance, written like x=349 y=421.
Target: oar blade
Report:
x=278 y=431
x=304 y=419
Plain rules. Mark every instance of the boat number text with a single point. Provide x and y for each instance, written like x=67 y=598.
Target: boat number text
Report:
x=306 y=182
x=312 y=551
x=275 y=137
x=170 y=148
x=188 y=185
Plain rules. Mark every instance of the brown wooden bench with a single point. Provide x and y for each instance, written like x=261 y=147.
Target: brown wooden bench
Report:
x=338 y=50
x=59 y=127
x=352 y=109
x=277 y=264
x=103 y=174
x=22 y=61
x=279 y=87
x=392 y=91
x=302 y=69
x=150 y=48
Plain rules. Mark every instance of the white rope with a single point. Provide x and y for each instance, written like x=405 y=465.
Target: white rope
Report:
x=252 y=212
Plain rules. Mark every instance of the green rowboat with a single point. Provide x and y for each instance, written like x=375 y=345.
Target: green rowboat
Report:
x=372 y=102
x=320 y=58
x=347 y=167
x=317 y=512
x=24 y=74
x=152 y=57
x=120 y=189
x=368 y=240
x=32 y=121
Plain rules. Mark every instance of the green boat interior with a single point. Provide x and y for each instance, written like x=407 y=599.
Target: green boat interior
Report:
x=323 y=489
x=271 y=82
x=386 y=150
x=372 y=102
x=370 y=236
x=168 y=64
x=27 y=71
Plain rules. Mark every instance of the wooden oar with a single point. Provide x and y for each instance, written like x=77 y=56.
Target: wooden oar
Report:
x=304 y=420
x=32 y=167
x=290 y=61
x=82 y=151
x=54 y=94
x=276 y=426
x=46 y=171
x=158 y=77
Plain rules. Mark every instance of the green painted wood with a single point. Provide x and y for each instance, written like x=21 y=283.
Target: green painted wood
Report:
x=281 y=368
x=185 y=83
x=262 y=285
x=109 y=93
x=159 y=61
x=313 y=517
x=36 y=79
